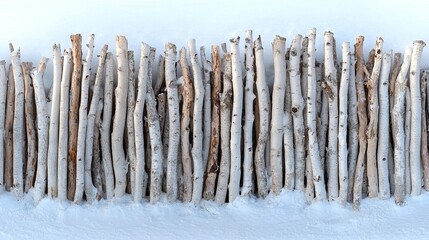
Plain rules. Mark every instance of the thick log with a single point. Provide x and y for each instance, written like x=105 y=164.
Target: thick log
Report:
x=74 y=114
x=213 y=165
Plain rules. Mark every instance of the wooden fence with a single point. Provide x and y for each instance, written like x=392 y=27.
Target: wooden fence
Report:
x=211 y=127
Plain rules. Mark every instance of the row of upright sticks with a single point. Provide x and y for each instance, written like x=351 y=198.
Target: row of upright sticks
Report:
x=216 y=128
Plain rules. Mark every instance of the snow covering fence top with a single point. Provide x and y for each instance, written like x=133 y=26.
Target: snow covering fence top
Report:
x=212 y=128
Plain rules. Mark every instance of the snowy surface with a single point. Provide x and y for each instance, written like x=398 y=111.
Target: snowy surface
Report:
x=35 y=26
x=287 y=216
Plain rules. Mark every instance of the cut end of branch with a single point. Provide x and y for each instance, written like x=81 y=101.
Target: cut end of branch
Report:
x=11 y=49
x=76 y=37
x=312 y=31
x=121 y=41
x=56 y=47
x=279 y=38
x=235 y=40
x=420 y=43
x=170 y=46
x=223 y=46
x=258 y=44
x=329 y=33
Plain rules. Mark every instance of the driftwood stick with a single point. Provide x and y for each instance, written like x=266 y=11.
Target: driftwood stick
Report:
x=278 y=102
x=206 y=70
x=384 y=129
x=407 y=140
x=63 y=125
x=237 y=111
x=106 y=153
x=297 y=109
x=173 y=123
x=212 y=165
x=83 y=123
x=342 y=128
x=3 y=92
x=97 y=168
x=42 y=129
x=197 y=124
x=18 y=124
x=331 y=90
x=398 y=128
x=130 y=140
x=54 y=122
x=156 y=146
x=74 y=114
x=263 y=119
x=363 y=120
x=416 y=108
x=225 y=131
x=187 y=95
x=143 y=81
x=352 y=127
x=373 y=111
x=249 y=117
x=424 y=141
x=313 y=145
x=120 y=165
x=97 y=98
x=30 y=120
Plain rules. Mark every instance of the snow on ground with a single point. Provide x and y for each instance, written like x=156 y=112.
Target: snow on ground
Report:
x=287 y=216
x=35 y=26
